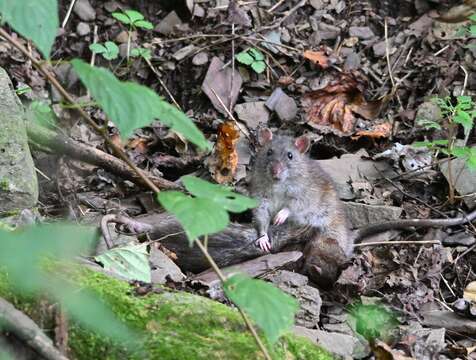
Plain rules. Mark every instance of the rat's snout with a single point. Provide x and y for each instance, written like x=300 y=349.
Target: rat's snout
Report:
x=277 y=169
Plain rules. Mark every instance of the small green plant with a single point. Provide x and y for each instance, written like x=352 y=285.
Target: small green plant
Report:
x=24 y=89
x=133 y=20
x=108 y=50
x=373 y=321
x=253 y=58
x=470 y=29
x=464 y=114
x=144 y=53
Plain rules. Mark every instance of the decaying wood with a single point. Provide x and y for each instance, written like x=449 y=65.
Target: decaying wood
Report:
x=253 y=268
x=231 y=246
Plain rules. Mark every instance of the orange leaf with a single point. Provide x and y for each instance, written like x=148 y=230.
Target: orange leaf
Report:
x=379 y=131
x=225 y=160
x=317 y=57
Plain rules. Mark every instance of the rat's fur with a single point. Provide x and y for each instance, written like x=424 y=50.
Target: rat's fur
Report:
x=310 y=196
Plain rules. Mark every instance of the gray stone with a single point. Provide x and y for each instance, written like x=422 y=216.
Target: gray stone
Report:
x=450 y=321
x=362 y=32
x=83 y=29
x=428 y=111
x=167 y=25
x=84 y=10
x=284 y=105
x=361 y=214
x=184 y=52
x=318 y=4
x=352 y=61
x=162 y=267
x=200 y=59
x=18 y=182
x=253 y=114
x=336 y=343
x=328 y=32
x=309 y=298
x=380 y=48
x=463 y=179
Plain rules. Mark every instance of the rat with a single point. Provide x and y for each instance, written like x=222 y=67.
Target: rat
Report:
x=290 y=186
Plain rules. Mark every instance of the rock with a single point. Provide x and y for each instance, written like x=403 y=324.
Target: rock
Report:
x=338 y=344
x=464 y=180
x=253 y=114
x=380 y=48
x=450 y=321
x=112 y=6
x=123 y=50
x=83 y=29
x=461 y=238
x=184 y=52
x=18 y=182
x=352 y=168
x=84 y=10
x=200 y=59
x=318 y=4
x=217 y=82
x=66 y=75
x=328 y=32
x=122 y=37
x=362 y=32
x=352 y=61
x=284 y=105
x=162 y=267
x=309 y=298
x=361 y=214
x=167 y=25
x=428 y=111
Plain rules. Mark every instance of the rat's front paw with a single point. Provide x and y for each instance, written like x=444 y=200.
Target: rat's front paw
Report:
x=281 y=216
x=264 y=243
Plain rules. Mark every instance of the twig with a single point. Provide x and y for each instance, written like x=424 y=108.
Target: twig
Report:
x=286 y=15
x=230 y=115
x=441 y=50
x=95 y=40
x=275 y=6
x=403 y=242
x=51 y=78
x=157 y=74
x=465 y=83
x=232 y=65
x=68 y=13
x=245 y=318
x=28 y=331
x=387 y=53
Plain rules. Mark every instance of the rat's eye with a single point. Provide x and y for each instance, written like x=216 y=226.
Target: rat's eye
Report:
x=270 y=152
x=290 y=155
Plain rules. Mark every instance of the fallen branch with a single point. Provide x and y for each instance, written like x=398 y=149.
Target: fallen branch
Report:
x=54 y=142
x=27 y=331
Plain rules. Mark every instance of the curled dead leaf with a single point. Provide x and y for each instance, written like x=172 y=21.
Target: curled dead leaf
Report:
x=377 y=132
x=224 y=161
x=317 y=57
x=334 y=106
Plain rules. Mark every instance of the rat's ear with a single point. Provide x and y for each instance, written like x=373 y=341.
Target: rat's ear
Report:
x=302 y=143
x=264 y=136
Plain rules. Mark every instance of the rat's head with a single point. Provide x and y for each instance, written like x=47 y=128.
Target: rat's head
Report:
x=282 y=156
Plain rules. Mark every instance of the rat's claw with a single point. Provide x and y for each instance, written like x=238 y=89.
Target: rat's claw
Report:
x=264 y=243
x=281 y=216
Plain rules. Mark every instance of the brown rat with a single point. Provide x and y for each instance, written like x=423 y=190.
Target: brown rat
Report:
x=292 y=187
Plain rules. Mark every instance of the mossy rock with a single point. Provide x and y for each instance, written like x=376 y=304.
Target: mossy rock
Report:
x=174 y=325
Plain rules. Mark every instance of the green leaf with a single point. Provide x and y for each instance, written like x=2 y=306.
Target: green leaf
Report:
x=256 y=54
x=134 y=16
x=97 y=48
x=24 y=89
x=142 y=52
x=112 y=50
x=123 y=18
x=42 y=113
x=473 y=17
x=471 y=161
x=244 y=58
x=428 y=124
x=198 y=216
x=258 y=66
x=131 y=106
x=267 y=306
x=463 y=118
x=442 y=142
x=223 y=196
x=131 y=262
x=419 y=144
x=36 y=20
x=472 y=30
x=373 y=321
x=144 y=24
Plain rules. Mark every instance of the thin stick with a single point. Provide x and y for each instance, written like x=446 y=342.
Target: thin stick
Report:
x=232 y=64
x=275 y=6
x=286 y=15
x=387 y=52
x=403 y=242
x=50 y=77
x=245 y=318
x=95 y=40
x=157 y=74
x=68 y=13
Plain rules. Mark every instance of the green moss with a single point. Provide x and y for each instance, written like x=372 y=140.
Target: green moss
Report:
x=171 y=326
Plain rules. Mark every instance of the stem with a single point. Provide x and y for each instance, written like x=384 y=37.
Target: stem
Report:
x=451 y=190
x=50 y=77
x=220 y=275
x=128 y=44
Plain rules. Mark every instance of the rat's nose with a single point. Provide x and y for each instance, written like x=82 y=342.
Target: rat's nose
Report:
x=276 y=169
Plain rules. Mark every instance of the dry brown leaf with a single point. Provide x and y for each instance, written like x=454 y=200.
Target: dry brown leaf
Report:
x=225 y=160
x=384 y=352
x=317 y=57
x=335 y=105
x=377 y=132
